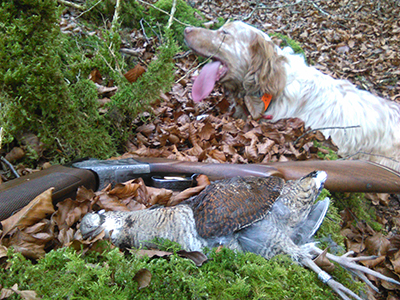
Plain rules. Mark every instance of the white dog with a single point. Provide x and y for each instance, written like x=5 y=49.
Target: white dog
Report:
x=269 y=82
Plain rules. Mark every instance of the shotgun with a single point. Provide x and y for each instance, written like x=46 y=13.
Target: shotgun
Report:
x=343 y=176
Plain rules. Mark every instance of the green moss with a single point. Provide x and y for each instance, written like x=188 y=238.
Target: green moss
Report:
x=331 y=155
x=329 y=233
x=131 y=99
x=183 y=13
x=44 y=88
x=103 y=11
x=288 y=42
x=227 y=275
x=34 y=96
x=360 y=207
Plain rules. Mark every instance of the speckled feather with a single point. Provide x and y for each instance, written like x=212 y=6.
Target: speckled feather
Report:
x=230 y=205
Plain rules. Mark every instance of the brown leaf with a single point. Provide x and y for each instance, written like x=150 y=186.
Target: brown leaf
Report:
x=143 y=278
x=25 y=295
x=36 y=210
x=153 y=253
x=65 y=236
x=377 y=244
x=133 y=74
x=125 y=190
x=197 y=257
x=372 y=263
x=95 y=76
x=323 y=262
x=207 y=131
x=27 y=245
x=202 y=182
x=83 y=194
x=15 y=154
x=158 y=196
x=69 y=212
x=3 y=251
x=110 y=202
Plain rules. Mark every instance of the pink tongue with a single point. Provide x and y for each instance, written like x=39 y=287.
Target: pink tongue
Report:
x=204 y=83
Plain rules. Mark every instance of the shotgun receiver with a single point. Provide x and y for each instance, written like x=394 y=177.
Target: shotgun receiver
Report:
x=343 y=175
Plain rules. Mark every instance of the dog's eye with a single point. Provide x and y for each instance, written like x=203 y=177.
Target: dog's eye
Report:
x=224 y=31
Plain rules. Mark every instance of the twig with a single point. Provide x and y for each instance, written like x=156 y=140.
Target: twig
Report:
x=324 y=128
x=71 y=4
x=252 y=12
x=84 y=12
x=10 y=166
x=171 y=16
x=163 y=11
x=130 y=51
x=274 y=7
x=1 y=136
x=371 y=154
x=144 y=30
x=318 y=8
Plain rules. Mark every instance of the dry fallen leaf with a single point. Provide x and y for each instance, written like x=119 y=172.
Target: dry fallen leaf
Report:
x=197 y=257
x=36 y=210
x=25 y=295
x=133 y=74
x=323 y=262
x=143 y=278
x=3 y=251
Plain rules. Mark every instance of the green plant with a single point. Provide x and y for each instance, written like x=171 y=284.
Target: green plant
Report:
x=34 y=96
x=183 y=13
x=64 y=273
x=288 y=42
x=102 y=12
x=131 y=99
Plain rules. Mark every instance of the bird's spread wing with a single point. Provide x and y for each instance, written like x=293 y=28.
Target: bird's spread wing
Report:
x=230 y=205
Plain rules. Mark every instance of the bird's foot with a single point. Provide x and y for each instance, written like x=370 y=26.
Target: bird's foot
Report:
x=344 y=292
x=350 y=264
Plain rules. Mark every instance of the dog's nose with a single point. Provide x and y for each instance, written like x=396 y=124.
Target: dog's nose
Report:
x=188 y=30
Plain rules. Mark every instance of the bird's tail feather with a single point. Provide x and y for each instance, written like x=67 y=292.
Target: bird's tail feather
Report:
x=305 y=230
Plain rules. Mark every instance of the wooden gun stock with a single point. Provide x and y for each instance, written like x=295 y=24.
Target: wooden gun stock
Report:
x=343 y=175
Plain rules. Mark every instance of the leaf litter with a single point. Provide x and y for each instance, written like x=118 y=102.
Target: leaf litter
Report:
x=355 y=40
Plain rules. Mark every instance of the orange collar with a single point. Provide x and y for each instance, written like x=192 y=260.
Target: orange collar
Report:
x=266 y=98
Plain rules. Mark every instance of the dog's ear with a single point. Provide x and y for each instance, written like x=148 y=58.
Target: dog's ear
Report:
x=266 y=73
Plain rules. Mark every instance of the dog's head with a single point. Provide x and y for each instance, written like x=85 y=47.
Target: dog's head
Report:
x=243 y=58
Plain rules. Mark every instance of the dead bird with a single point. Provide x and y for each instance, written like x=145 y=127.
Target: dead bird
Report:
x=266 y=216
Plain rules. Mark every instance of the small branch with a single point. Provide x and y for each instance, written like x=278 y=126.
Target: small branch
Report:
x=10 y=166
x=319 y=9
x=130 y=51
x=324 y=128
x=252 y=12
x=272 y=7
x=84 y=12
x=370 y=154
x=171 y=16
x=1 y=137
x=163 y=11
x=71 y=4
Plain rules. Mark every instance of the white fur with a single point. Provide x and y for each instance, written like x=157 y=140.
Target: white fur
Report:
x=318 y=99
x=321 y=101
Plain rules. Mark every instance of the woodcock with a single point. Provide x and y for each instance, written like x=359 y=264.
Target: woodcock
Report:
x=267 y=216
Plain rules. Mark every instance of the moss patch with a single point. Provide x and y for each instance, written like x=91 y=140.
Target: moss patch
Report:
x=228 y=275
x=288 y=42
